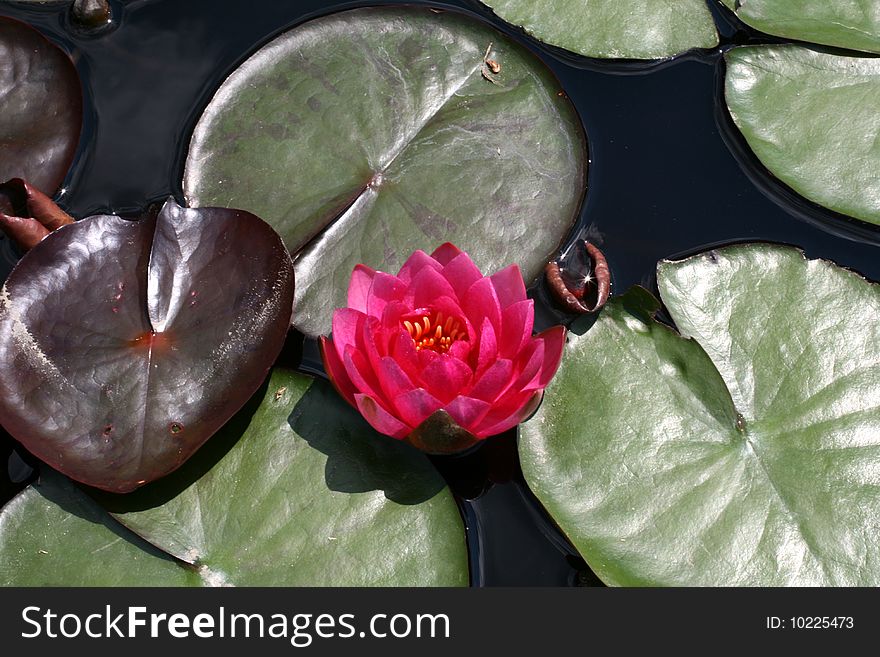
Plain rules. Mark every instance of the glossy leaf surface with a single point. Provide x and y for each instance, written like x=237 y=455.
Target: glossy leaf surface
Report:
x=744 y=456
x=40 y=107
x=813 y=120
x=53 y=534
x=617 y=29
x=124 y=345
x=368 y=134
x=851 y=24
x=307 y=495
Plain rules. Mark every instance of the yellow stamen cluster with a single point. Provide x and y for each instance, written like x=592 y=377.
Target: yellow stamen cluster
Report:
x=434 y=334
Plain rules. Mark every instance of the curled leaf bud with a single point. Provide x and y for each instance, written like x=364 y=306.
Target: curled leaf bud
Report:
x=91 y=14
x=579 y=280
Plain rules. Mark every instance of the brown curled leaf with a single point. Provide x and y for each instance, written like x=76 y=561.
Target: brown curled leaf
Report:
x=24 y=231
x=602 y=275
x=25 y=200
x=27 y=215
x=580 y=279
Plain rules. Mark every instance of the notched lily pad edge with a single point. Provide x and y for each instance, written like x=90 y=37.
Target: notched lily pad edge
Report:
x=501 y=27
x=48 y=476
x=644 y=306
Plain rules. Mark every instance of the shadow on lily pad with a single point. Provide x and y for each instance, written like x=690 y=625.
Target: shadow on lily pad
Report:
x=359 y=459
x=68 y=496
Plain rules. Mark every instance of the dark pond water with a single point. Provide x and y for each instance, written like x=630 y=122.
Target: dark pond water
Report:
x=668 y=177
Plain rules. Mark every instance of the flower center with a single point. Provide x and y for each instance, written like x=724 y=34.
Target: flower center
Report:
x=434 y=331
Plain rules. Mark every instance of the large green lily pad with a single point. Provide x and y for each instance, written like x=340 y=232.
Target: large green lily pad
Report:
x=617 y=29
x=309 y=495
x=367 y=134
x=851 y=24
x=813 y=120
x=53 y=534
x=746 y=455
x=295 y=491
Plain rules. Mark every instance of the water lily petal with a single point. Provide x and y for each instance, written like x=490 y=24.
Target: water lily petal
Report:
x=450 y=307
x=393 y=379
x=527 y=366
x=426 y=357
x=336 y=371
x=509 y=286
x=380 y=419
x=445 y=253
x=501 y=418
x=347 y=327
x=460 y=350
x=415 y=406
x=391 y=321
x=371 y=330
x=467 y=411
x=554 y=343
x=359 y=287
x=517 y=321
x=427 y=286
x=480 y=301
x=488 y=352
x=416 y=263
x=494 y=381
x=386 y=289
x=461 y=272
x=445 y=377
x=361 y=374
x=403 y=350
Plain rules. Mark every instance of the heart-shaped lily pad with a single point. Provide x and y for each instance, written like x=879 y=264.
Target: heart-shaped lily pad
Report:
x=125 y=344
x=812 y=119
x=746 y=455
x=371 y=133
x=307 y=495
x=851 y=24
x=40 y=107
x=53 y=534
x=617 y=29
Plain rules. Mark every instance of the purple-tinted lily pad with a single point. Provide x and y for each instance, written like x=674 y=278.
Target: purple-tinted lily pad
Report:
x=124 y=345
x=40 y=107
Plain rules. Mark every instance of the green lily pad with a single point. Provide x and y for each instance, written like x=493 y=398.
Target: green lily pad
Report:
x=53 y=534
x=309 y=495
x=367 y=134
x=746 y=455
x=851 y=24
x=295 y=491
x=812 y=119
x=614 y=29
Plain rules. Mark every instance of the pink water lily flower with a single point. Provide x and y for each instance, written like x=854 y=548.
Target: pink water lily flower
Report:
x=440 y=354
